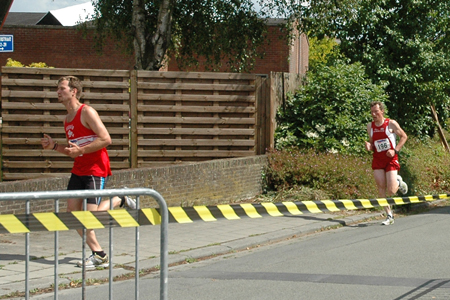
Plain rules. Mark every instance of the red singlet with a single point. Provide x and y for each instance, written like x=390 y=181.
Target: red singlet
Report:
x=96 y=163
x=383 y=140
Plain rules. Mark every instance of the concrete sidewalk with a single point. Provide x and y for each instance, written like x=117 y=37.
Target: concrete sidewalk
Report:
x=186 y=242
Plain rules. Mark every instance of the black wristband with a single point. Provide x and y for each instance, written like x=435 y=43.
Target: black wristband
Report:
x=55 y=146
x=396 y=152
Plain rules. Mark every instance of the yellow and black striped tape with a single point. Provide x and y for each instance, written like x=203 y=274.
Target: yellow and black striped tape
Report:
x=78 y=220
x=151 y=216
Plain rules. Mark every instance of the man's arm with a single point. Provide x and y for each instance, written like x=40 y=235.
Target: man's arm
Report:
x=369 y=144
x=395 y=127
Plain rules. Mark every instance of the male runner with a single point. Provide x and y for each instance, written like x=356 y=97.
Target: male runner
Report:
x=87 y=139
x=382 y=141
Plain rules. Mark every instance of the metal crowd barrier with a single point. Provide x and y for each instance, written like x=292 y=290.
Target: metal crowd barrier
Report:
x=83 y=194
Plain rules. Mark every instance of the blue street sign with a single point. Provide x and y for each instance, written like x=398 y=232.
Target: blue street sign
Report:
x=6 y=43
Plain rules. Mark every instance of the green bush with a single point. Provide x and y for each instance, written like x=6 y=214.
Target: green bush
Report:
x=330 y=112
x=425 y=166
x=337 y=175
x=14 y=63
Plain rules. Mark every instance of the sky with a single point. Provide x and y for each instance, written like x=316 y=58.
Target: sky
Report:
x=48 y=5
x=42 y=5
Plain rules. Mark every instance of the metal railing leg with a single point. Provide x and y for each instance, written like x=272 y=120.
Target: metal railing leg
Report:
x=164 y=247
x=27 y=255
x=83 y=257
x=111 y=247
x=56 y=255
x=136 y=255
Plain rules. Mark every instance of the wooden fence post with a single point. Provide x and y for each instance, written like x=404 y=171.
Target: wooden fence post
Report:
x=262 y=98
x=134 y=119
x=1 y=144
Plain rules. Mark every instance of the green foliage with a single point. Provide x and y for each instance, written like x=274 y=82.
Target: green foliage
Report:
x=321 y=51
x=14 y=63
x=425 y=167
x=232 y=34
x=403 y=44
x=340 y=176
x=39 y=65
x=209 y=31
x=330 y=112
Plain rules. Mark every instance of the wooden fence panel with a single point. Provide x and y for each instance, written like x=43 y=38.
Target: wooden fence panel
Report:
x=188 y=117
x=154 y=118
x=30 y=108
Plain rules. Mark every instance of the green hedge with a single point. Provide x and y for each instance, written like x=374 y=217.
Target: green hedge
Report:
x=424 y=166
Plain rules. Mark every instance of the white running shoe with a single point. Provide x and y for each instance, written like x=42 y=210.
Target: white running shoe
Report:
x=402 y=186
x=389 y=221
x=131 y=203
x=95 y=261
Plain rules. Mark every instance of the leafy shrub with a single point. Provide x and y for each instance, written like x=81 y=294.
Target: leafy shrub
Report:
x=39 y=65
x=14 y=63
x=425 y=167
x=341 y=176
x=330 y=112
x=322 y=51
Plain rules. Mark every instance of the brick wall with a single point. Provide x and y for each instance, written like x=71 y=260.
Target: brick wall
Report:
x=276 y=57
x=62 y=47
x=66 y=47
x=205 y=183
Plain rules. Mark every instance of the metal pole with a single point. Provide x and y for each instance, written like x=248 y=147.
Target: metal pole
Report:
x=83 y=257
x=27 y=255
x=111 y=207
x=164 y=246
x=56 y=254
x=136 y=255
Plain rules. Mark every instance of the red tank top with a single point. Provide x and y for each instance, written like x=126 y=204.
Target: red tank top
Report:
x=95 y=163
x=383 y=140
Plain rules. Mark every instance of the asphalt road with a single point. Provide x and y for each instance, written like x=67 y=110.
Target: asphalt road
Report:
x=407 y=260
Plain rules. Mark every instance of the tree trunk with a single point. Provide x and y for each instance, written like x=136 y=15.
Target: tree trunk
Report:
x=162 y=37
x=150 y=52
x=440 y=131
x=140 y=41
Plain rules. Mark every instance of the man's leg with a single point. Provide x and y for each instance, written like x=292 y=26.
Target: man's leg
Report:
x=392 y=183
x=98 y=257
x=383 y=181
x=391 y=189
x=380 y=179
x=75 y=205
x=106 y=204
x=117 y=201
x=91 y=239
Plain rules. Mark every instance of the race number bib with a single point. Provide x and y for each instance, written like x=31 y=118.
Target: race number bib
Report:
x=382 y=145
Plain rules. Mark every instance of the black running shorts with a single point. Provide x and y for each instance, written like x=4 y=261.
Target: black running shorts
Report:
x=87 y=183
